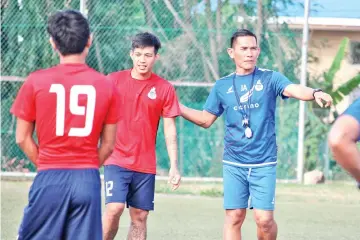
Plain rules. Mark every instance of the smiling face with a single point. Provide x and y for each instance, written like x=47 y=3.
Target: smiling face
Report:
x=144 y=53
x=143 y=60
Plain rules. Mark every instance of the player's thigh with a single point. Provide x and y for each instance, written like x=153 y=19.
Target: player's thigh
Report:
x=262 y=187
x=236 y=187
x=117 y=181
x=84 y=216
x=142 y=191
x=49 y=201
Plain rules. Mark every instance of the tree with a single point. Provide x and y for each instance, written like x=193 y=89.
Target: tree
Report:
x=318 y=122
x=194 y=36
x=327 y=82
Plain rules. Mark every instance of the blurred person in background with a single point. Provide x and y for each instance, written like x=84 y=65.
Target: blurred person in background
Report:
x=342 y=138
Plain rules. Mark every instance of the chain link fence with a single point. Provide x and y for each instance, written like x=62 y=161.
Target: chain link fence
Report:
x=194 y=36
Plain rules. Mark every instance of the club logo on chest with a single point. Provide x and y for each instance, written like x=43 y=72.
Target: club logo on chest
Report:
x=259 y=86
x=152 y=93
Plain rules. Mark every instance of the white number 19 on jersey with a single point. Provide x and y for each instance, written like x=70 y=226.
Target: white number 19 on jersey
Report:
x=75 y=109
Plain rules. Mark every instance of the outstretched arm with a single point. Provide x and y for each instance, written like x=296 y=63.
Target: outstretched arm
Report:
x=201 y=118
x=342 y=141
x=307 y=94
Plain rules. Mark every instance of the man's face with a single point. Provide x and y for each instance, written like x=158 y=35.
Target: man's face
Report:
x=143 y=59
x=244 y=52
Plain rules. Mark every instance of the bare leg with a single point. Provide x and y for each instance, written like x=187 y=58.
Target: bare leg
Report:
x=111 y=220
x=138 y=229
x=234 y=219
x=266 y=225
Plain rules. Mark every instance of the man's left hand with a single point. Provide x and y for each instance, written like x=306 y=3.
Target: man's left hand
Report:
x=322 y=96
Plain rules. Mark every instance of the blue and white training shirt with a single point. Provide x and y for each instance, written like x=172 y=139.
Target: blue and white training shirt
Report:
x=261 y=149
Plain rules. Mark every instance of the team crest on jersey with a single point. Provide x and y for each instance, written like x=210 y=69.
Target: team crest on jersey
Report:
x=259 y=86
x=152 y=93
x=230 y=90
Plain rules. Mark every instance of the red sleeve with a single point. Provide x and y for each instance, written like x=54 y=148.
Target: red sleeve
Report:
x=24 y=104
x=171 y=106
x=112 y=116
x=112 y=77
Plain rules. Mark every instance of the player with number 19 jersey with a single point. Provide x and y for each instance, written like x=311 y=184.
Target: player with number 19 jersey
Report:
x=70 y=103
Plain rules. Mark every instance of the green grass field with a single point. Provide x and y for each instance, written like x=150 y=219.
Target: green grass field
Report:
x=329 y=211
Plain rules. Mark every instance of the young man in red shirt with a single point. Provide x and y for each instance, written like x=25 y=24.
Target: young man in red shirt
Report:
x=131 y=168
x=72 y=107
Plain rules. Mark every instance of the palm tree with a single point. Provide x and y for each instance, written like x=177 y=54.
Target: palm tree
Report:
x=326 y=82
x=318 y=120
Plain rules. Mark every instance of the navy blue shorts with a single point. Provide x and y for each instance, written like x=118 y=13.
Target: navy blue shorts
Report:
x=63 y=204
x=126 y=186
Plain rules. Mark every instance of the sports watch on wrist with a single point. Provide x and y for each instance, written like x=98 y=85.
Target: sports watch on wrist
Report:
x=316 y=90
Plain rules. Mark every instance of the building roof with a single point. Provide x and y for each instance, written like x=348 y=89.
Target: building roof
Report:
x=323 y=9
x=333 y=15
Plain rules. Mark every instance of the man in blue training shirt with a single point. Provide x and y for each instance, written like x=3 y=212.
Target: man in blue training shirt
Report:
x=343 y=137
x=248 y=99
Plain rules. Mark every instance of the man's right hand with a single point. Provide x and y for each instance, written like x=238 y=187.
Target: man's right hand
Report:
x=174 y=178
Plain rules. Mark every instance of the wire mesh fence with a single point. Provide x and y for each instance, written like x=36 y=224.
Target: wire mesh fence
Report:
x=194 y=37
x=200 y=150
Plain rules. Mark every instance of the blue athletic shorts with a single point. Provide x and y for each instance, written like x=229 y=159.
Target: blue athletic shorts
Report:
x=249 y=187
x=135 y=188
x=63 y=204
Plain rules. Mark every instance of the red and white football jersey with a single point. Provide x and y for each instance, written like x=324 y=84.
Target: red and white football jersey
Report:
x=143 y=102
x=69 y=103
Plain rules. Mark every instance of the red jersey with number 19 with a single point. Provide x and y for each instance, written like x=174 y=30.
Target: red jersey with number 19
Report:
x=69 y=104
x=143 y=102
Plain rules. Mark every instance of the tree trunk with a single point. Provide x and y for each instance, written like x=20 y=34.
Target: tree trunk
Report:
x=213 y=51
x=187 y=14
x=67 y=3
x=259 y=25
x=91 y=5
x=243 y=14
x=206 y=71
x=148 y=13
x=218 y=27
x=189 y=31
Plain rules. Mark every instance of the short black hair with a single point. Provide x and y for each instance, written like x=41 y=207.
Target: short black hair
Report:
x=241 y=33
x=145 y=39
x=70 y=31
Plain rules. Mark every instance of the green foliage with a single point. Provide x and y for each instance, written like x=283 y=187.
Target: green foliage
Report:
x=345 y=89
x=184 y=56
x=326 y=82
x=287 y=133
x=336 y=64
x=213 y=192
x=317 y=124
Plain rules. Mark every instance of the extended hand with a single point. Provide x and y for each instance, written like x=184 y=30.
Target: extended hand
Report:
x=322 y=96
